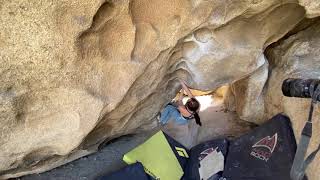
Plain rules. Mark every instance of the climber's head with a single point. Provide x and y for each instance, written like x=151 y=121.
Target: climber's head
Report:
x=192 y=105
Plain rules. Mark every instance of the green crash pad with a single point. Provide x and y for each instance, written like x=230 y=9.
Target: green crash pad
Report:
x=161 y=157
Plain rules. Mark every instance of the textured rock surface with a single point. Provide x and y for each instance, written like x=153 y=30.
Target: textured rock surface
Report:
x=297 y=57
x=74 y=74
x=312 y=7
x=248 y=93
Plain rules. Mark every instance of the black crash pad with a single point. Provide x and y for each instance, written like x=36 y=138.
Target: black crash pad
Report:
x=266 y=153
x=131 y=172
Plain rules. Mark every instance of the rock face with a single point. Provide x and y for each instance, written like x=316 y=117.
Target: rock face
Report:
x=312 y=7
x=75 y=74
x=248 y=93
x=296 y=56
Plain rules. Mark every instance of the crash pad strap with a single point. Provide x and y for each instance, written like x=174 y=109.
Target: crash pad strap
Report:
x=310 y=158
x=297 y=171
x=300 y=165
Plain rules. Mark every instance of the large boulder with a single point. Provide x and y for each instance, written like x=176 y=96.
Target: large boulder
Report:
x=75 y=74
x=259 y=96
x=295 y=57
x=248 y=95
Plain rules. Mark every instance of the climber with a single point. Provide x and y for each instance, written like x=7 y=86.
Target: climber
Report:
x=179 y=112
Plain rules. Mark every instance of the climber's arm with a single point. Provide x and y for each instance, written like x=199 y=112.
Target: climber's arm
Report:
x=180 y=98
x=186 y=89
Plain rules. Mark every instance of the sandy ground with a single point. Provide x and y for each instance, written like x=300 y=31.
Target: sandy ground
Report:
x=219 y=122
x=216 y=122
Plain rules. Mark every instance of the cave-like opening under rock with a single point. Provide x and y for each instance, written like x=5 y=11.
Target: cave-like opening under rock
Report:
x=218 y=120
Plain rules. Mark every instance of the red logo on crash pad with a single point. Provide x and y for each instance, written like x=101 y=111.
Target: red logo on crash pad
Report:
x=264 y=148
